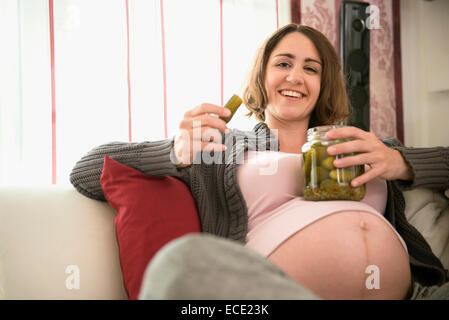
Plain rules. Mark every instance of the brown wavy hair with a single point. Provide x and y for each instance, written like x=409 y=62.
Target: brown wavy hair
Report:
x=332 y=106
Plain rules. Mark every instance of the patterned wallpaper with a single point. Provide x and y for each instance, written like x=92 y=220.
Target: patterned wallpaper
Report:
x=323 y=15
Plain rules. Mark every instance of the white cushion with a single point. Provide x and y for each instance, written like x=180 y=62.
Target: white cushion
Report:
x=428 y=211
x=44 y=232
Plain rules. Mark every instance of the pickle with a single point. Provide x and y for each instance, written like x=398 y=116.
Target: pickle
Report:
x=321 y=152
x=308 y=161
x=322 y=173
x=328 y=163
x=343 y=175
x=313 y=174
x=233 y=104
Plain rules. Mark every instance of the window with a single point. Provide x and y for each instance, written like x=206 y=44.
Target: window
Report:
x=109 y=83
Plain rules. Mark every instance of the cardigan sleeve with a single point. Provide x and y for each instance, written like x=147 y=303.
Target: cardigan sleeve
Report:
x=430 y=167
x=152 y=158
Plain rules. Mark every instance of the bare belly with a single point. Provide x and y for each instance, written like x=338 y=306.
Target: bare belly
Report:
x=347 y=255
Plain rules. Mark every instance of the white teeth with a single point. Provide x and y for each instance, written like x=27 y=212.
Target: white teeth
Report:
x=291 y=94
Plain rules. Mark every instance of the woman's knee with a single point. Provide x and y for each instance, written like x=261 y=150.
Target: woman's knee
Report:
x=190 y=248
x=170 y=271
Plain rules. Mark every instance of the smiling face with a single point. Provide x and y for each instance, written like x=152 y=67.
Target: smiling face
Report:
x=292 y=79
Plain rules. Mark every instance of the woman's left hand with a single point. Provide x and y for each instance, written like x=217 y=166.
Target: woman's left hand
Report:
x=383 y=161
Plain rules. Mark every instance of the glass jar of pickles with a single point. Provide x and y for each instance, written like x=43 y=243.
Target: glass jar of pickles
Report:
x=322 y=180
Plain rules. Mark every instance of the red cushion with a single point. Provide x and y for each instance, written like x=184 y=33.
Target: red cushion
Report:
x=151 y=211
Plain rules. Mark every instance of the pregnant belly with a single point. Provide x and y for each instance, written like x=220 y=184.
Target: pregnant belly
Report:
x=347 y=255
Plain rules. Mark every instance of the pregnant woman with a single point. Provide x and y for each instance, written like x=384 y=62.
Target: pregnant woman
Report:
x=327 y=246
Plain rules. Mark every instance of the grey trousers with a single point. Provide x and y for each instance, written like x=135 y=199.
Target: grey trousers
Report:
x=205 y=267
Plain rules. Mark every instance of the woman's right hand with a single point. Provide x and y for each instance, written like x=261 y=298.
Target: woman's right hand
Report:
x=384 y=162
x=199 y=130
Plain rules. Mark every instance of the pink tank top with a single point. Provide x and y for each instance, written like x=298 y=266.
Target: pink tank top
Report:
x=271 y=183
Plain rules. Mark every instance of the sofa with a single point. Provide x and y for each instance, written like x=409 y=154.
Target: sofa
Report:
x=58 y=244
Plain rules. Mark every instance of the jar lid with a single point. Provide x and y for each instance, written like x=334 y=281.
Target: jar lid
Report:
x=322 y=129
x=319 y=132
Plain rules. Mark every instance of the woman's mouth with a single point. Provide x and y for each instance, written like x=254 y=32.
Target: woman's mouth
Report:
x=291 y=94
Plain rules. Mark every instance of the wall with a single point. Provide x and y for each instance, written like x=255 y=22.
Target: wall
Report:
x=323 y=15
x=425 y=72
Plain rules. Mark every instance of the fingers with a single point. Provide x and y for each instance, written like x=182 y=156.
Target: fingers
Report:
x=211 y=146
x=352 y=146
x=200 y=131
x=208 y=108
x=185 y=151
x=364 y=148
x=202 y=134
x=190 y=142
x=361 y=141
x=206 y=120
x=207 y=134
x=205 y=115
x=346 y=132
x=355 y=160
x=364 y=178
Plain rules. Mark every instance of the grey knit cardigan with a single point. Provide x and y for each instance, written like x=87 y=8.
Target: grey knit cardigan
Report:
x=221 y=207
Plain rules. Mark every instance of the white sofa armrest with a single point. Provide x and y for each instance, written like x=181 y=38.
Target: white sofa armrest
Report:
x=48 y=231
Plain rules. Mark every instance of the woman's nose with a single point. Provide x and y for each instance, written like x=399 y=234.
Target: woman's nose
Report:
x=295 y=76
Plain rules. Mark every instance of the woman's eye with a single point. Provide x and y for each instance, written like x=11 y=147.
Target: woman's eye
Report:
x=310 y=69
x=283 y=64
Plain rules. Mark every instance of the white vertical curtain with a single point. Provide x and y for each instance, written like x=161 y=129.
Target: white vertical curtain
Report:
x=123 y=70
